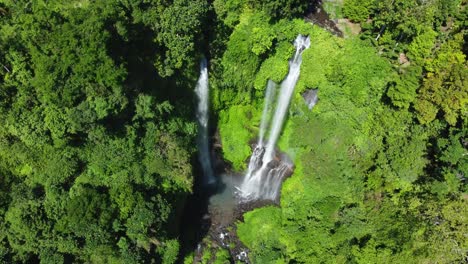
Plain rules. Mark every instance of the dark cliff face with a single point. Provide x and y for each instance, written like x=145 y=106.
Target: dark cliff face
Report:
x=318 y=16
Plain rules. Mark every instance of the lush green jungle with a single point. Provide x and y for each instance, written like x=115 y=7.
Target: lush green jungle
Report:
x=98 y=130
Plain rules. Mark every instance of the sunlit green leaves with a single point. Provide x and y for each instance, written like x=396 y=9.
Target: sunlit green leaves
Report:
x=94 y=152
x=357 y=11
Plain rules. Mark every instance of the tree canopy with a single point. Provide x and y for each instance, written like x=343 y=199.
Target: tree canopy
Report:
x=98 y=132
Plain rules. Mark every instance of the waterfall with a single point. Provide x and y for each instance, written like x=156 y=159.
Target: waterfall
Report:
x=202 y=114
x=269 y=97
x=287 y=87
x=255 y=159
x=266 y=173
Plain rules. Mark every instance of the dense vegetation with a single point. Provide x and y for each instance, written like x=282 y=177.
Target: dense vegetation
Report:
x=381 y=161
x=96 y=137
x=97 y=129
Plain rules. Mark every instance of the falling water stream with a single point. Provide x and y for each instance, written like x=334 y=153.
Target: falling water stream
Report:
x=266 y=172
x=266 y=115
x=202 y=91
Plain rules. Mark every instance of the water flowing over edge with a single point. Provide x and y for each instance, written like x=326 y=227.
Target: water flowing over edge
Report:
x=266 y=115
x=202 y=114
x=266 y=171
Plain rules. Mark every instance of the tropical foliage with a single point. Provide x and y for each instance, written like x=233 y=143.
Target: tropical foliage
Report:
x=97 y=130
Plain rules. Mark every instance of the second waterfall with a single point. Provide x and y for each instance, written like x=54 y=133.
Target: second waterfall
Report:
x=202 y=91
x=266 y=171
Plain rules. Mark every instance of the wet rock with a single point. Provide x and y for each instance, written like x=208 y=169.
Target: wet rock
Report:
x=403 y=60
x=243 y=256
x=319 y=17
x=311 y=97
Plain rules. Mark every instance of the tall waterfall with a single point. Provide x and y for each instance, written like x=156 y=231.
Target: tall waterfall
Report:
x=202 y=114
x=265 y=172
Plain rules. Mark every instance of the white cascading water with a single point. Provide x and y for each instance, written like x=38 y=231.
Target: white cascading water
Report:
x=265 y=173
x=202 y=91
x=255 y=159
x=269 y=97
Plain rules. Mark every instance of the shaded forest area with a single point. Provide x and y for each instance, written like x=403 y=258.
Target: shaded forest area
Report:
x=97 y=128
